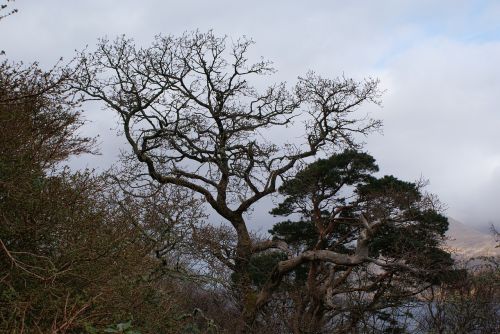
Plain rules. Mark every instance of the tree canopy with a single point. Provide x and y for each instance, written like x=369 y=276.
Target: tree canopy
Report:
x=77 y=254
x=388 y=254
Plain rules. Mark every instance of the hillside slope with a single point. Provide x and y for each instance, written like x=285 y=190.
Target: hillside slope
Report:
x=468 y=242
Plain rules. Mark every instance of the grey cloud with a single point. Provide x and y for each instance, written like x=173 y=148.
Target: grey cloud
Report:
x=437 y=61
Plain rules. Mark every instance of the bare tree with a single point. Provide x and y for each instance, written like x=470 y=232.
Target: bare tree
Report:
x=5 y=10
x=193 y=118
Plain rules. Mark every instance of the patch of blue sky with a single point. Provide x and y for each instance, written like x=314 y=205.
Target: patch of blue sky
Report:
x=488 y=36
x=467 y=24
x=396 y=50
x=479 y=26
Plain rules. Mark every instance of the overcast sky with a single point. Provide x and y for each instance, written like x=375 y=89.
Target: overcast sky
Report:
x=437 y=61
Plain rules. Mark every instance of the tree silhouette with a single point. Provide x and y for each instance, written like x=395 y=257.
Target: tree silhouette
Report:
x=192 y=117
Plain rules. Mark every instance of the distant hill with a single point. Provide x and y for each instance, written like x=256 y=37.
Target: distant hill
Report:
x=468 y=242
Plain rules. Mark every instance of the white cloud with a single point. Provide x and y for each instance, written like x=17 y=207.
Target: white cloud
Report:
x=441 y=120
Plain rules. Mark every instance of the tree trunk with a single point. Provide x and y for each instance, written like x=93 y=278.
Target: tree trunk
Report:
x=247 y=295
